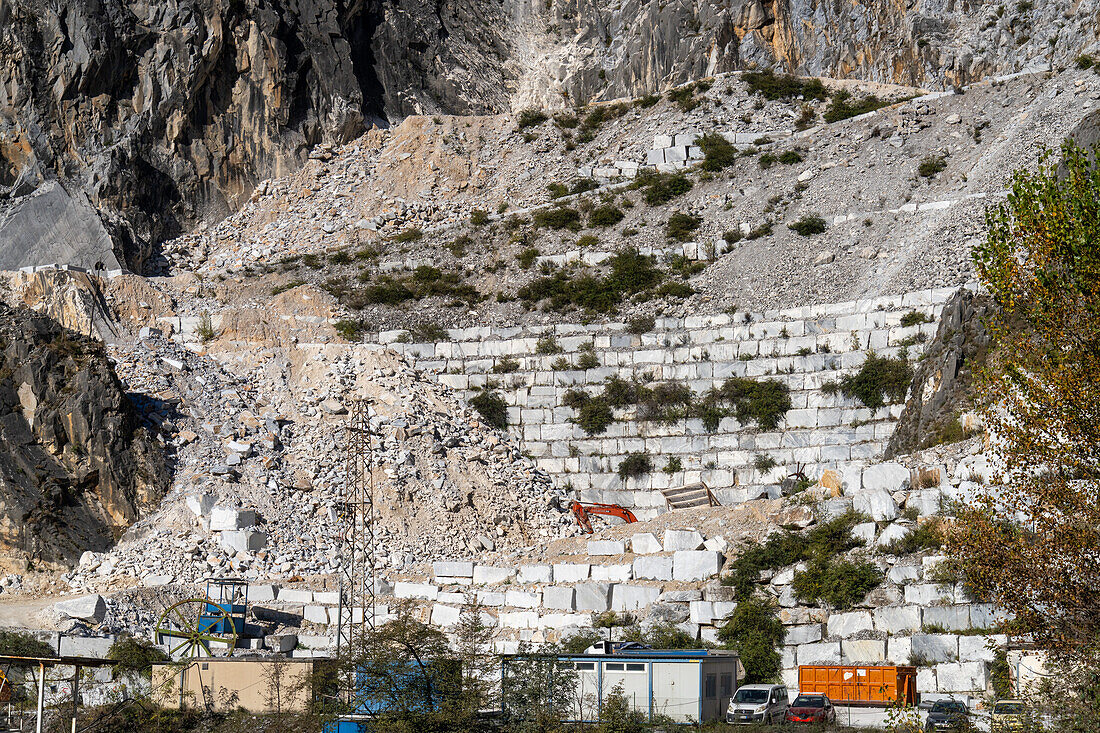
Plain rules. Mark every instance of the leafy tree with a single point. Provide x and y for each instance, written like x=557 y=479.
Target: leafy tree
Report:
x=537 y=692
x=135 y=655
x=1032 y=545
x=473 y=647
x=754 y=631
x=618 y=715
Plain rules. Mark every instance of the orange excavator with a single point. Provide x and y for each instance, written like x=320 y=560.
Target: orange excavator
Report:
x=583 y=511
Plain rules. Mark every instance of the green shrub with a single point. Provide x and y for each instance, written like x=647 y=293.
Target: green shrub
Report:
x=676 y=290
x=424 y=332
x=458 y=247
x=1000 y=674
x=1084 y=62
x=566 y=122
x=506 y=365
x=583 y=184
x=588 y=241
x=557 y=190
x=879 y=377
x=763 y=230
x=631 y=273
x=915 y=318
x=561 y=217
x=674 y=465
x=205 y=330
x=134 y=655
x=531 y=118
x=755 y=631
x=479 y=218
x=718 y=152
x=635 y=465
x=808 y=226
x=732 y=236
x=19 y=644
x=606 y=215
x=350 y=329
x=527 y=257
x=660 y=188
x=641 y=324
x=680 y=226
x=764 y=403
x=411 y=234
x=491 y=407
x=593 y=416
x=561 y=364
x=767 y=160
x=839 y=583
x=763 y=463
x=931 y=165
x=790 y=157
x=647 y=101
x=769 y=85
x=926 y=536
x=587 y=358
x=547 y=345
x=842 y=107
x=826 y=540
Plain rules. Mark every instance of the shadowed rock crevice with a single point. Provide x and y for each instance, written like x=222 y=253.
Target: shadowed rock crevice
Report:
x=76 y=468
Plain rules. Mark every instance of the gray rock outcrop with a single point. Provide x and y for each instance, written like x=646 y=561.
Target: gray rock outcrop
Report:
x=75 y=467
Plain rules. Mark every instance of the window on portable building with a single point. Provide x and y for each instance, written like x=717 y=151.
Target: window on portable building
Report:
x=710 y=691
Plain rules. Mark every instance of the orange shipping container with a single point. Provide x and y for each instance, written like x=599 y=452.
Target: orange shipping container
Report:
x=866 y=685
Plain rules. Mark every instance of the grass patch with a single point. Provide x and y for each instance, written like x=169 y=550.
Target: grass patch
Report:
x=412 y=234
x=350 y=329
x=927 y=536
x=425 y=281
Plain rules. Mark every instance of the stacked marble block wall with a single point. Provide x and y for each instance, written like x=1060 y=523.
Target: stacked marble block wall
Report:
x=802 y=347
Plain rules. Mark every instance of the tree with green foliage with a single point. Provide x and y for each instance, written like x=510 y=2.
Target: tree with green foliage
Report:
x=718 y=152
x=754 y=631
x=537 y=691
x=135 y=655
x=1032 y=544
x=618 y=714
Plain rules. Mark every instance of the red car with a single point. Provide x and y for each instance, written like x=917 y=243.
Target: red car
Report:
x=811 y=708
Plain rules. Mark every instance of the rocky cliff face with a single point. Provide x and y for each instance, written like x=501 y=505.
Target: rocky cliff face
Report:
x=155 y=116
x=75 y=467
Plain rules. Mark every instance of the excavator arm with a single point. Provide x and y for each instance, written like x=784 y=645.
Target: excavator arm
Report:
x=582 y=511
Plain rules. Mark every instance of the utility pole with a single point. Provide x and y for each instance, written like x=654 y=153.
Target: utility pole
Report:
x=355 y=518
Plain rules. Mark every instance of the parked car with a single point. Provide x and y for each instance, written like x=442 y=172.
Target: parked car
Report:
x=812 y=708
x=1008 y=715
x=758 y=704
x=947 y=715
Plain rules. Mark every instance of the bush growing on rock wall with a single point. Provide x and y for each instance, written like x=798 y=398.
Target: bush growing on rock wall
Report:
x=718 y=152
x=915 y=318
x=641 y=324
x=635 y=465
x=350 y=329
x=755 y=631
x=879 y=377
x=926 y=536
x=631 y=273
x=839 y=583
x=825 y=541
x=492 y=407
x=19 y=644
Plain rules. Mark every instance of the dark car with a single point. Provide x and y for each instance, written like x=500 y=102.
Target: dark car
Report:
x=811 y=708
x=947 y=715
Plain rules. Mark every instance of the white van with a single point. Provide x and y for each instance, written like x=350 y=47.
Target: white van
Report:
x=758 y=704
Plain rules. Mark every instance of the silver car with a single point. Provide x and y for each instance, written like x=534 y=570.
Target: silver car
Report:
x=758 y=704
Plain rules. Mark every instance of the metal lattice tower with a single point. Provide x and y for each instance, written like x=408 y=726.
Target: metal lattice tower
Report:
x=355 y=517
